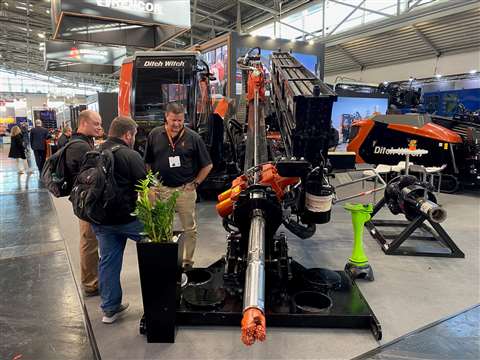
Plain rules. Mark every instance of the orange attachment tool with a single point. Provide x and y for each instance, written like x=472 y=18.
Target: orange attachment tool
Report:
x=269 y=176
x=253 y=326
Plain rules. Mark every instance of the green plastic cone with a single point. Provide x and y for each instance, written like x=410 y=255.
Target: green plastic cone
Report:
x=360 y=215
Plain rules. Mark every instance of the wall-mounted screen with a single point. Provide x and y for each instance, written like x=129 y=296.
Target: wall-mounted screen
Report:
x=217 y=60
x=348 y=109
x=307 y=60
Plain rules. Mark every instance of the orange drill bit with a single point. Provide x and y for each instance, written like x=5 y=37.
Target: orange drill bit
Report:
x=253 y=326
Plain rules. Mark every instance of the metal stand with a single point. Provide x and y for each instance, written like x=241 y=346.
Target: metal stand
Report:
x=415 y=230
x=219 y=302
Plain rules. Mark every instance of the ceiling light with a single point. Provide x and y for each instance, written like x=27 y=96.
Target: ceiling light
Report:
x=41 y=35
x=293 y=40
x=438 y=76
x=410 y=79
x=473 y=71
x=311 y=42
x=385 y=83
x=47 y=11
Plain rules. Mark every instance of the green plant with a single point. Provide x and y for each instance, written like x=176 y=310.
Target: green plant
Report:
x=157 y=216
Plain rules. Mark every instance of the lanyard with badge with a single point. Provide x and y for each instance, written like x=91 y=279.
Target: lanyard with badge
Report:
x=174 y=160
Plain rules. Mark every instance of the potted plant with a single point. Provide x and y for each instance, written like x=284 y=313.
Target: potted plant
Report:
x=159 y=261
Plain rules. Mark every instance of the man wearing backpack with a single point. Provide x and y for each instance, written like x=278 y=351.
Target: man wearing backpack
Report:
x=118 y=224
x=89 y=125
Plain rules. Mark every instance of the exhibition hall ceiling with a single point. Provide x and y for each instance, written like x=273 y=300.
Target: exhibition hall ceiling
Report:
x=414 y=29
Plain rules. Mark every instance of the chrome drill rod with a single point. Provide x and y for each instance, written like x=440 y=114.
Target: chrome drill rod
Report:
x=254 y=290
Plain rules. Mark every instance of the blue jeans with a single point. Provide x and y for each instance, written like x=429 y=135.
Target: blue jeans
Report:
x=111 y=242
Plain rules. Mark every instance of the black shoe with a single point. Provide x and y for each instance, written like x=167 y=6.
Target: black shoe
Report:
x=90 y=293
x=110 y=317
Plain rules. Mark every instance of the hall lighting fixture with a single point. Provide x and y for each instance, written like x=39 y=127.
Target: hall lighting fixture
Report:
x=311 y=42
x=438 y=76
x=386 y=82
x=293 y=40
x=410 y=79
x=473 y=71
x=41 y=35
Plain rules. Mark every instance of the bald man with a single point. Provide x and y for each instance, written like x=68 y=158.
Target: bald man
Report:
x=89 y=126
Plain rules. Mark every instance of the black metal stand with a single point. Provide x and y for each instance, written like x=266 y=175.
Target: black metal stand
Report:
x=219 y=302
x=430 y=240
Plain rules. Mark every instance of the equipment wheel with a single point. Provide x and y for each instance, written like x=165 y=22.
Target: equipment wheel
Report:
x=450 y=184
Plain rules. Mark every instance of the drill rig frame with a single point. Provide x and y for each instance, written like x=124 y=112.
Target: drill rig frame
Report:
x=257 y=284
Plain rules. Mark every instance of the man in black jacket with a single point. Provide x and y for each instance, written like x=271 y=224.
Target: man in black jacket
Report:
x=63 y=139
x=38 y=136
x=112 y=235
x=89 y=126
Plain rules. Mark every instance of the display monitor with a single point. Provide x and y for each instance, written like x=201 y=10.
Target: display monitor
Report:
x=307 y=60
x=348 y=109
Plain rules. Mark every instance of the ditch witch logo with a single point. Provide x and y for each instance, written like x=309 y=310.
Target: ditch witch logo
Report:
x=135 y=5
x=164 y=63
x=382 y=150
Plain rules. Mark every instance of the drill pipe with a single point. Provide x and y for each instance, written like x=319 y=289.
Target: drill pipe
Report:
x=254 y=291
x=253 y=322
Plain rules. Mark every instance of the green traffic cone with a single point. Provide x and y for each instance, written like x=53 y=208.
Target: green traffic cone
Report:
x=358 y=266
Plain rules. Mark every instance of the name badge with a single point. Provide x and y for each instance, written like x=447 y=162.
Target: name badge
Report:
x=174 y=161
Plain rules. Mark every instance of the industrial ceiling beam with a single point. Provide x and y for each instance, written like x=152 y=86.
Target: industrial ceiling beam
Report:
x=361 y=8
x=347 y=17
x=209 y=26
x=260 y=6
x=405 y=19
x=426 y=40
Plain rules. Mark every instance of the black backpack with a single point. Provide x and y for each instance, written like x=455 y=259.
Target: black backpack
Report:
x=54 y=175
x=94 y=193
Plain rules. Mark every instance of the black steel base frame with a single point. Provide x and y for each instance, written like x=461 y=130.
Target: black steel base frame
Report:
x=348 y=309
x=391 y=242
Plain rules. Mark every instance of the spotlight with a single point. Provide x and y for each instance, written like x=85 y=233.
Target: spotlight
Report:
x=311 y=42
x=472 y=71
x=410 y=79
x=386 y=82
x=438 y=76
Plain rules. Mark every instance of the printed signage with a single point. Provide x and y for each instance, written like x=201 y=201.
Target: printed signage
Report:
x=171 y=12
x=389 y=151
x=161 y=63
x=84 y=53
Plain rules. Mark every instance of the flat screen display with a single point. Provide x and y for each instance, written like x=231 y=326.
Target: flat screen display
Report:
x=348 y=109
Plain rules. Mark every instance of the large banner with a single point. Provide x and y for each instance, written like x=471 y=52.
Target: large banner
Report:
x=67 y=51
x=171 y=12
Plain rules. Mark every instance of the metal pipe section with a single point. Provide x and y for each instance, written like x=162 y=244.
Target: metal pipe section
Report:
x=433 y=211
x=254 y=290
x=256 y=157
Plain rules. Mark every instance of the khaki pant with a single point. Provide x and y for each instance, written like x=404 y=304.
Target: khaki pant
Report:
x=88 y=257
x=185 y=209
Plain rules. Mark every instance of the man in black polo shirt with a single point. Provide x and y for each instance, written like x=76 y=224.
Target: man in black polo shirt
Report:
x=181 y=158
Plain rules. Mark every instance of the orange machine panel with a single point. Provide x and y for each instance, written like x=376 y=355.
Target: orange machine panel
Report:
x=364 y=127
x=125 y=89
x=429 y=130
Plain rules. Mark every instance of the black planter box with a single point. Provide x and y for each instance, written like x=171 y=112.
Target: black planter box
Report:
x=160 y=268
